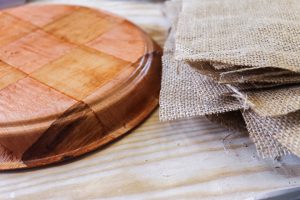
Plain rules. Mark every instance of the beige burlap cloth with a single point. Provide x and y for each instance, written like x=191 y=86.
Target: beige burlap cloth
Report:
x=233 y=120
x=237 y=62
x=186 y=93
x=253 y=33
x=274 y=136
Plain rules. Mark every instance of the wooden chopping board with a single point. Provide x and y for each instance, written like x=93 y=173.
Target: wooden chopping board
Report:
x=71 y=80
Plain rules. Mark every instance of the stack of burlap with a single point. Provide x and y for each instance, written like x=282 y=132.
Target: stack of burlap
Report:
x=237 y=62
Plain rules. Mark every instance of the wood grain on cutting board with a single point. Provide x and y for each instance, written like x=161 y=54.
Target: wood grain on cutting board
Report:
x=76 y=79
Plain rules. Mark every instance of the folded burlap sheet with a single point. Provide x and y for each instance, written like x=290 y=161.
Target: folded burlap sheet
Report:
x=232 y=120
x=195 y=62
x=282 y=133
x=247 y=75
x=259 y=33
x=186 y=93
x=180 y=96
x=274 y=102
x=255 y=86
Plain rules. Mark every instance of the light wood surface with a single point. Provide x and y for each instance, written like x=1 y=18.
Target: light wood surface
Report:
x=77 y=80
x=188 y=159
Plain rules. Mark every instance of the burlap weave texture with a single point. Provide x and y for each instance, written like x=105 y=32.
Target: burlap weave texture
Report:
x=228 y=57
x=187 y=93
x=260 y=33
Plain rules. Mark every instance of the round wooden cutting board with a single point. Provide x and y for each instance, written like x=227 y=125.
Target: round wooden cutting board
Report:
x=71 y=80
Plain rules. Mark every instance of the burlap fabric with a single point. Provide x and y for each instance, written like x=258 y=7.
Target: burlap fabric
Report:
x=232 y=120
x=210 y=32
x=247 y=75
x=259 y=75
x=266 y=94
x=244 y=87
x=180 y=96
x=260 y=33
x=274 y=102
x=186 y=93
x=282 y=133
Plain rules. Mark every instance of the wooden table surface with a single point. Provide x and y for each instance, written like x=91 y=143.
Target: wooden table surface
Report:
x=187 y=159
